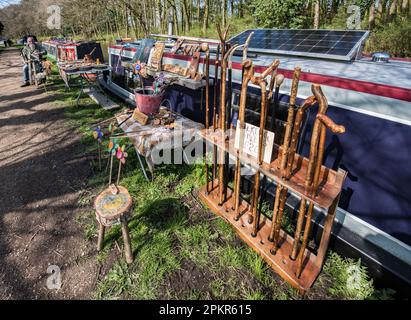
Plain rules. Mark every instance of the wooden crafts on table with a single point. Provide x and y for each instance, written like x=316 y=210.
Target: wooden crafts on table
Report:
x=157 y=55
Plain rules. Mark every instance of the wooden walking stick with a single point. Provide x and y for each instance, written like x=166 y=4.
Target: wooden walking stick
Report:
x=322 y=109
x=278 y=81
x=247 y=66
x=281 y=192
x=228 y=61
x=245 y=52
x=205 y=48
x=214 y=167
x=261 y=82
x=222 y=111
x=216 y=63
x=325 y=123
x=308 y=103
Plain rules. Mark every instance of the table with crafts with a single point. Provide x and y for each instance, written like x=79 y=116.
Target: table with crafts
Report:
x=155 y=137
x=89 y=74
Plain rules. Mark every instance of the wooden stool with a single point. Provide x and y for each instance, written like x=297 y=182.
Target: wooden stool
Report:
x=113 y=207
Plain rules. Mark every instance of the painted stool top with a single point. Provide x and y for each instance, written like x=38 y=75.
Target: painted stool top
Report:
x=111 y=206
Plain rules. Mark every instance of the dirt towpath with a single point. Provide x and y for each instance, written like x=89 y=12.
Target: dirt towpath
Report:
x=40 y=176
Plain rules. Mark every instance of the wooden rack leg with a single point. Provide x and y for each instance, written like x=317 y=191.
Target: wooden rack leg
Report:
x=325 y=239
x=127 y=242
x=100 y=241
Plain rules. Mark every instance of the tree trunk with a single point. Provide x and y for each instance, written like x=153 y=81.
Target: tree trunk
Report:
x=198 y=13
x=380 y=11
x=393 y=9
x=404 y=6
x=371 y=18
x=240 y=9
x=317 y=14
x=206 y=12
x=186 y=16
x=223 y=13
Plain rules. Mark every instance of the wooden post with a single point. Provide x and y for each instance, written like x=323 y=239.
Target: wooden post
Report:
x=127 y=242
x=100 y=237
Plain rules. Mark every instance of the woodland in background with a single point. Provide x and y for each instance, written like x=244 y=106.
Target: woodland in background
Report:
x=388 y=19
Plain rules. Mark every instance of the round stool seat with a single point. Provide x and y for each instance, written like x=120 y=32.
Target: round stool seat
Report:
x=110 y=208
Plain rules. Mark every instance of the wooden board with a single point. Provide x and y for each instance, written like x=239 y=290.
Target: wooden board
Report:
x=101 y=99
x=280 y=262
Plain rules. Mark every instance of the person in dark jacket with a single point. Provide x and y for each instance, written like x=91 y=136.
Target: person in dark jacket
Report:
x=32 y=51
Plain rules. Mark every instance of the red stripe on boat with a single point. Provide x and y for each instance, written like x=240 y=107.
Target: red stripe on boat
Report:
x=377 y=89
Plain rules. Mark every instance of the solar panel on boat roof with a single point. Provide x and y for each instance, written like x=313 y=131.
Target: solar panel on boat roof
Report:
x=331 y=44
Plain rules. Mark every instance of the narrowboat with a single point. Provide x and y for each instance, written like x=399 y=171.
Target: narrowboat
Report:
x=369 y=95
x=67 y=50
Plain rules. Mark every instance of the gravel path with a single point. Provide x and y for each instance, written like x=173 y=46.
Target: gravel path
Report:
x=39 y=180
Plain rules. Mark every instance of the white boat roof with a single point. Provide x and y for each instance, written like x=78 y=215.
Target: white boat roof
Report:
x=394 y=73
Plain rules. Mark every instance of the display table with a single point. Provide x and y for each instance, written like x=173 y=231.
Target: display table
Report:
x=149 y=139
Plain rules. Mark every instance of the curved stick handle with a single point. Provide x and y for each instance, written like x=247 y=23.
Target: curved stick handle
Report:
x=246 y=44
x=320 y=97
x=229 y=54
x=276 y=81
x=330 y=124
x=204 y=47
x=272 y=67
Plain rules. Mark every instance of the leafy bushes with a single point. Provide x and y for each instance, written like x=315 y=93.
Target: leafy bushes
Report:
x=279 y=13
x=394 y=37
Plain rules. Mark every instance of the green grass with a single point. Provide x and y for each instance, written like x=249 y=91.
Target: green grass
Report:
x=181 y=251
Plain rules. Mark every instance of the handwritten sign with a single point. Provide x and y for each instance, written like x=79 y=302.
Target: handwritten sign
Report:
x=250 y=143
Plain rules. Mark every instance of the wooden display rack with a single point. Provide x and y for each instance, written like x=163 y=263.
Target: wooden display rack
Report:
x=327 y=199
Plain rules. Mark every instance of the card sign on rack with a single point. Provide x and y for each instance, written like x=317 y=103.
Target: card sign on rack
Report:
x=251 y=137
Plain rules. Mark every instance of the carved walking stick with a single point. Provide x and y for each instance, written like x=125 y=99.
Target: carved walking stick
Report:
x=222 y=111
x=214 y=168
x=228 y=61
x=260 y=81
x=248 y=70
x=281 y=192
x=205 y=48
x=322 y=108
x=245 y=51
x=278 y=81
x=324 y=124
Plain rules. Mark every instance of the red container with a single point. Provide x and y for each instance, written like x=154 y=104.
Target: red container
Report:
x=148 y=102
